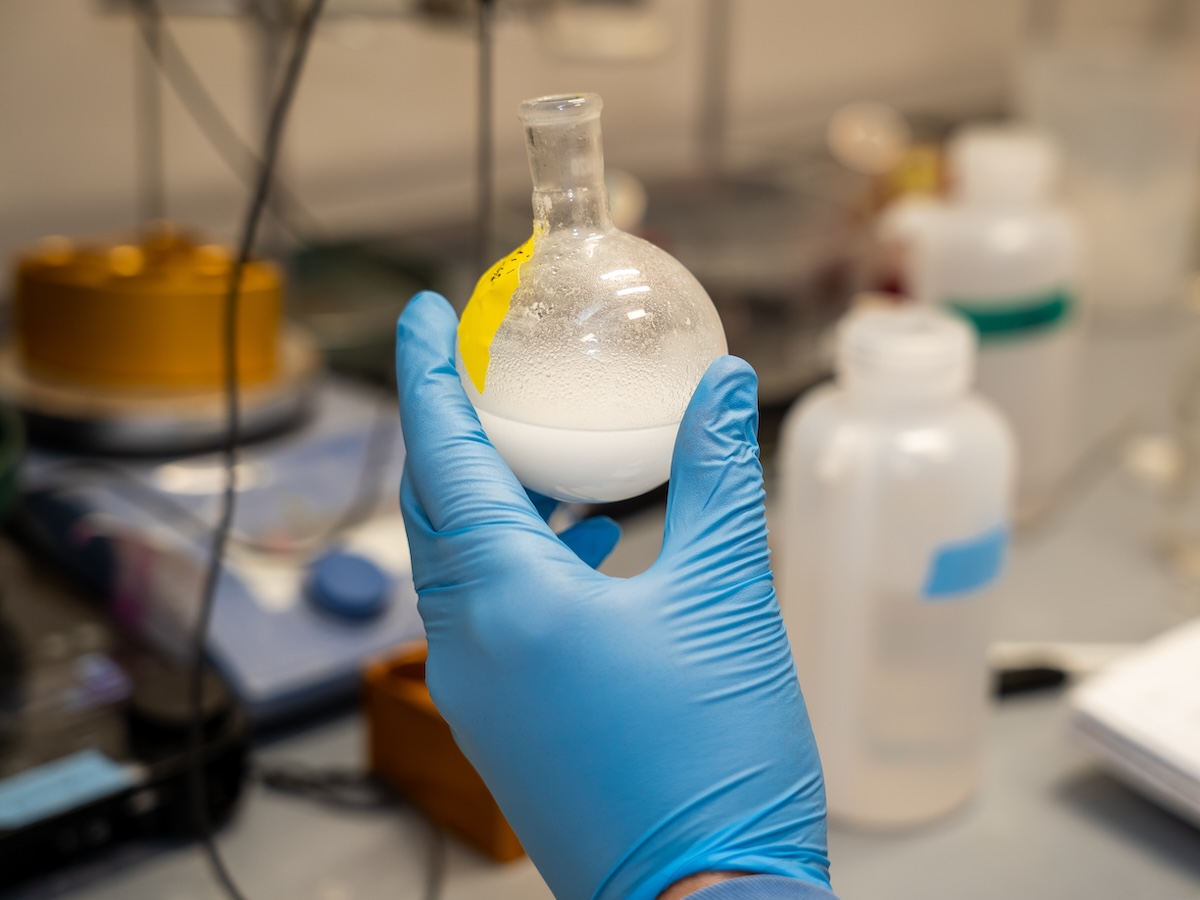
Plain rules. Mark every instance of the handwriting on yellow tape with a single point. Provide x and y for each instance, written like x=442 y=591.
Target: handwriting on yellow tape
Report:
x=485 y=311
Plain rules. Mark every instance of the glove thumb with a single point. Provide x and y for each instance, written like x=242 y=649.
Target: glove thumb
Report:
x=715 y=498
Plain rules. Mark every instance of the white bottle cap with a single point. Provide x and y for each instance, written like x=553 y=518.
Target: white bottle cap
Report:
x=1004 y=163
x=905 y=352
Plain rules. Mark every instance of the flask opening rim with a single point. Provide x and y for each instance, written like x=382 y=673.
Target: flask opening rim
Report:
x=561 y=109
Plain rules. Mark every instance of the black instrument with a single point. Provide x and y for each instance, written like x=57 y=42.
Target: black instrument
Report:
x=94 y=730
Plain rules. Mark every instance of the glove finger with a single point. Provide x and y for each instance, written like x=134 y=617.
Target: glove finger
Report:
x=715 y=500
x=544 y=505
x=592 y=539
x=457 y=475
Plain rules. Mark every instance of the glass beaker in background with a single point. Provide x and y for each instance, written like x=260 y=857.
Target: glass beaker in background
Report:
x=1127 y=118
x=1172 y=462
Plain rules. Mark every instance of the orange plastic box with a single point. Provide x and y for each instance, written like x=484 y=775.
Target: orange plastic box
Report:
x=411 y=746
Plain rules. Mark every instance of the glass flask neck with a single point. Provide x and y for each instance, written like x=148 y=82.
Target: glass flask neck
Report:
x=566 y=161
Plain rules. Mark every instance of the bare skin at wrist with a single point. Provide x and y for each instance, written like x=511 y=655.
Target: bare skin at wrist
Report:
x=693 y=883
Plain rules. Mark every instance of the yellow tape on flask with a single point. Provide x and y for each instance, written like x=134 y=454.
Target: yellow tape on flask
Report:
x=486 y=309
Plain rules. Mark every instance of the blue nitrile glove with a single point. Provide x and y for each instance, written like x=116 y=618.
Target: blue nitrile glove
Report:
x=634 y=731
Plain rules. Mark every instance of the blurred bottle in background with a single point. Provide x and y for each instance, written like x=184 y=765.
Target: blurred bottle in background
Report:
x=1003 y=253
x=895 y=500
x=1126 y=114
x=915 y=185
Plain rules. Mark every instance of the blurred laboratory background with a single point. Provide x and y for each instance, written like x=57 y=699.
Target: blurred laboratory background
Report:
x=384 y=141
x=1006 y=190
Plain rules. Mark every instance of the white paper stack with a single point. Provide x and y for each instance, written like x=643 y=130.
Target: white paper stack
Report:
x=1141 y=716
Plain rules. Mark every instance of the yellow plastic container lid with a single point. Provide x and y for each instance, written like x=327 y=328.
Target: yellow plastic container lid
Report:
x=146 y=314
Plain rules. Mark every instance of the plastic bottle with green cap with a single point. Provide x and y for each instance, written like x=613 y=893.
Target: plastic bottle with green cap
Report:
x=1006 y=256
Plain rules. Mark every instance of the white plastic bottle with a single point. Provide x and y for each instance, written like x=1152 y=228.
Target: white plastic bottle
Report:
x=896 y=486
x=1006 y=256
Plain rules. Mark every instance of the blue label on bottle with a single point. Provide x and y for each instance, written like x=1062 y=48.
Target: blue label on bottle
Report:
x=963 y=567
x=58 y=786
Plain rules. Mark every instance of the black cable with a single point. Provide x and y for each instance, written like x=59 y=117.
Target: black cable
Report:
x=351 y=789
x=356 y=791
x=345 y=788
x=212 y=574
x=153 y=206
x=239 y=156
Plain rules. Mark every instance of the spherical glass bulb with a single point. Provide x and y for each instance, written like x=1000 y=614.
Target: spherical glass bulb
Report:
x=581 y=349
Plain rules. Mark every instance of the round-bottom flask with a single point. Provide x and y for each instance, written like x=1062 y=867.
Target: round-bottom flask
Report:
x=581 y=349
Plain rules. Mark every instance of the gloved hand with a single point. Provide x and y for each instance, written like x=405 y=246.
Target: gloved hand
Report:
x=634 y=731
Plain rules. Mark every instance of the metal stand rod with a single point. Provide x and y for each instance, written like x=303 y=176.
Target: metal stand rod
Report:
x=152 y=201
x=484 y=160
x=714 y=87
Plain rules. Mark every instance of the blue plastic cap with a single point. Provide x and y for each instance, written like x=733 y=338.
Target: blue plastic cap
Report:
x=348 y=586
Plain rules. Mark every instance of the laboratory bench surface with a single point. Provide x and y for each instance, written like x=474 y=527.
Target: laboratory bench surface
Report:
x=1045 y=823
